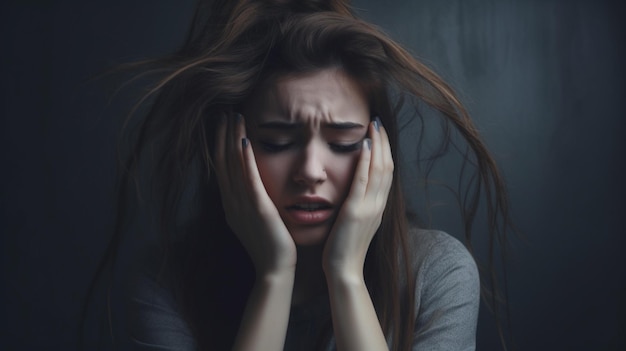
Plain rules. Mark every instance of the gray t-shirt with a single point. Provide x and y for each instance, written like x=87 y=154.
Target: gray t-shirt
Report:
x=447 y=297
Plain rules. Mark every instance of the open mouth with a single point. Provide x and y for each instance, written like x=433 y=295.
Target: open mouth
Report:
x=310 y=211
x=309 y=206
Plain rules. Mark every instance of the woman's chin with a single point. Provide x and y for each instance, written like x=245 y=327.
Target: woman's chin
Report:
x=309 y=236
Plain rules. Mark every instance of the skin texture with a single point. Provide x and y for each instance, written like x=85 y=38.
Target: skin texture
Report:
x=308 y=133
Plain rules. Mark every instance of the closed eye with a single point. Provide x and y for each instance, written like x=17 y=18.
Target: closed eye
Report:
x=274 y=147
x=345 y=148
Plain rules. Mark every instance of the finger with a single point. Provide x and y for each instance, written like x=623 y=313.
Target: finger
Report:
x=238 y=132
x=252 y=174
x=249 y=169
x=388 y=165
x=376 y=165
x=221 y=167
x=361 y=173
x=231 y=147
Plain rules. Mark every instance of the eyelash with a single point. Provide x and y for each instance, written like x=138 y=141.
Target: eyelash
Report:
x=274 y=148
x=338 y=148
x=342 y=148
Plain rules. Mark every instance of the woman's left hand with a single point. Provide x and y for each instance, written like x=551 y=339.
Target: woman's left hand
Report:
x=362 y=211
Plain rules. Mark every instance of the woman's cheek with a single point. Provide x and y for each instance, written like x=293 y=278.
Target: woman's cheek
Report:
x=273 y=170
x=345 y=172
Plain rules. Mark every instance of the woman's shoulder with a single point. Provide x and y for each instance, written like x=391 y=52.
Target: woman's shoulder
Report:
x=439 y=259
x=430 y=247
x=447 y=291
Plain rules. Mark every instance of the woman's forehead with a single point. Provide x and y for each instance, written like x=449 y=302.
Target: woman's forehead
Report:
x=323 y=97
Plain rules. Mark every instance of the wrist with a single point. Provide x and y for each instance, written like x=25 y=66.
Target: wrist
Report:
x=344 y=268
x=344 y=276
x=276 y=276
x=275 y=263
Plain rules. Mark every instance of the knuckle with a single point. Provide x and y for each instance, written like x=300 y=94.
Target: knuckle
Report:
x=362 y=179
x=389 y=166
x=377 y=167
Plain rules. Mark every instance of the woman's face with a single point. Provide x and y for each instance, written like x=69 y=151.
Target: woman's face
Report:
x=307 y=132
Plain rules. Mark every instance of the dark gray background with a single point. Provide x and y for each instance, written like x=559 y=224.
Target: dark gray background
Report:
x=543 y=79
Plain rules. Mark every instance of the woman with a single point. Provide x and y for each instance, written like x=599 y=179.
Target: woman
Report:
x=280 y=118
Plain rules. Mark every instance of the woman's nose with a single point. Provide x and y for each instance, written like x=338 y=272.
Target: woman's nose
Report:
x=310 y=168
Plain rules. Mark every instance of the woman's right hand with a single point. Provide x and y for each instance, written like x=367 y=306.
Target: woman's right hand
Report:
x=250 y=212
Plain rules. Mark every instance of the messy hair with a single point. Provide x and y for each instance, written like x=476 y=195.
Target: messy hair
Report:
x=232 y=48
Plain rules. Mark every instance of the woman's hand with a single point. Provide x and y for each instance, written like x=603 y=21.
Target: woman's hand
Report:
x=250 y=212
x=355 y=323
x=252 y=216
x=362 y=211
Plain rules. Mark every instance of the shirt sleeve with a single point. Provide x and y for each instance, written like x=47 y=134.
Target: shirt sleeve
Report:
x=447 y=296
x=155 y=321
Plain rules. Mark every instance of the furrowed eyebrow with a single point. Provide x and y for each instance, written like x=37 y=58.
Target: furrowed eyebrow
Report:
x=291 y=126
x=344 y=125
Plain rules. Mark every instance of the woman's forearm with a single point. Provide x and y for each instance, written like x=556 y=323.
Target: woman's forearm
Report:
x=265 y=320
x=355 y=323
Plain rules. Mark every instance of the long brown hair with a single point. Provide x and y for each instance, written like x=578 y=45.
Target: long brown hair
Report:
x=232 y=48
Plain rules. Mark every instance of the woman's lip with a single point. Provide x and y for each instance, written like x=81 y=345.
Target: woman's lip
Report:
x=311 y=200
x=300 y=216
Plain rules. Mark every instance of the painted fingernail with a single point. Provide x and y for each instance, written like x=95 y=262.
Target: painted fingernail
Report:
x=368 y=142
x=377 y=123
x=244 y=142
x=239 y=117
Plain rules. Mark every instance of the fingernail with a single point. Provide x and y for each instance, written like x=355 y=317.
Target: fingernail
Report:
x=244 y=142
x=377 y=123
x=368 y=142
x=239 y=117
